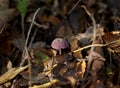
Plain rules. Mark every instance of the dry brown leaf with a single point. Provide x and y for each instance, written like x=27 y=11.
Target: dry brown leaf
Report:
x=109 y=37
x=10 y=74
x=74 y=44
x=80 y=68
x=49 y=19
x=64 y=31
x=72 y=81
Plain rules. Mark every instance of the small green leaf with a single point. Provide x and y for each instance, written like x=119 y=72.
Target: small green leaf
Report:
x=22 y=6
x=41 y=55
x=109 y=70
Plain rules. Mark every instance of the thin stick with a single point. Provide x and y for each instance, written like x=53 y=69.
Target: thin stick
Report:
x=33 y=37
x=31 y=26
x=25 y=51
x=74 y=7
x=23 y=27
x=39 y=25
x=46 y=85
x=70 y=11
x=2 y=29
x=28 y=34
x=29 y=67
x=100 y=45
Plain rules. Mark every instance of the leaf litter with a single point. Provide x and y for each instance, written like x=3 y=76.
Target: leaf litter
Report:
x=89 y=28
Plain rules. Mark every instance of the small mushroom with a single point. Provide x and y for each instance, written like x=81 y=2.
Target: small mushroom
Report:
x=59 y=44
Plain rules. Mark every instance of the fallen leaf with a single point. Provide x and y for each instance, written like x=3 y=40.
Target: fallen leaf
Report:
x=75 y=44
x=80 y=69
x=63 y=31
x=72 y=81
x=45 y=18
x=10 y=74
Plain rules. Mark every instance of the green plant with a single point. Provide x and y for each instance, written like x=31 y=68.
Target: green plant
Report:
x=40 y=55
x=22 y=8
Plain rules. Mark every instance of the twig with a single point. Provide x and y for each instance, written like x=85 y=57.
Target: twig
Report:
x=39 y=25
x=94 y=37
x=34 y=34
x=2 y=28
x=23 y=27
x=25 y=51
x=70 y=13
x=28 y=34
x=74 y=7
x=31 y=26
x=100 y=45
x=29 y=67
x=46 y=85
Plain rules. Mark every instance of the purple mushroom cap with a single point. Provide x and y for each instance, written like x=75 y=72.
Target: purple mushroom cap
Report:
x=59 y=44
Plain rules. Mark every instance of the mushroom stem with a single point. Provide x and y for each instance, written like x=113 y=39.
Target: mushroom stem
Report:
x=60 y=51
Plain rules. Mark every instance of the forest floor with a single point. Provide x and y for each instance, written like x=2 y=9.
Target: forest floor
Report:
x=59 y=44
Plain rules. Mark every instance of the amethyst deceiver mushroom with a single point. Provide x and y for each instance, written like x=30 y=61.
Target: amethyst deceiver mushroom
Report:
x=59 y=44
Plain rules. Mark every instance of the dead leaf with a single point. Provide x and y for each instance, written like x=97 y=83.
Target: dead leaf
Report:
x=10 y=74
x=80 y=69
x=64 y=58
x=74 y=44
x=109 y=37
x=49 y=19
x=72 y=81
x=64 y=30
x=9 y=65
